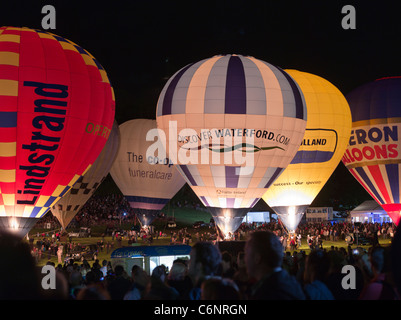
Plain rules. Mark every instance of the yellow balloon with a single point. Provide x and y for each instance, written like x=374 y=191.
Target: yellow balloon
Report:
x=326 y=137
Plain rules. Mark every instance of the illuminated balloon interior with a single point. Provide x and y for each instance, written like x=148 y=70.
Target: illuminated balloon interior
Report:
x=232 y=123
x=56 y=112
x=72 y=202
x=147 y=181
x=325 y=140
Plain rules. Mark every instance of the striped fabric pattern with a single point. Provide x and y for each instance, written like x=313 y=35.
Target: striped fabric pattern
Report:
x=373 y=156
x=232 y=84
x=148 y=203
x=382 y=183
x=239 y=95
x=63 y=150
x=382 y=175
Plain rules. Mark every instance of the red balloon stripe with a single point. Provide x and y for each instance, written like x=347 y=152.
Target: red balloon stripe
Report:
x=57 y=107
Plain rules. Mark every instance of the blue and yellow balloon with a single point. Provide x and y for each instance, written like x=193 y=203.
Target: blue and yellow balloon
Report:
x=326 y=137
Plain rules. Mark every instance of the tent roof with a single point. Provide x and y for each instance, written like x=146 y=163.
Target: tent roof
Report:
x=368 y=206
x=152 y=251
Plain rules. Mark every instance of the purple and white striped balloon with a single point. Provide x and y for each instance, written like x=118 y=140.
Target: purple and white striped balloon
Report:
x=223 y=110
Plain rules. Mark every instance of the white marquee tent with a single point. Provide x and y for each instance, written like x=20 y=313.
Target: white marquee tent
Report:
x=369 y=211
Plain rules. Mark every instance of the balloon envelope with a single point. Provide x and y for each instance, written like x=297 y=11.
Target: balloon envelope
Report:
x=232 y=125
x=373 y=155
x=56 y=113
x=72 y=202
x=148 y=183
x=326 y=137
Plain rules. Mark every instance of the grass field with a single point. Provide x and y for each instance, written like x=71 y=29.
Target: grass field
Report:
x=184 y=218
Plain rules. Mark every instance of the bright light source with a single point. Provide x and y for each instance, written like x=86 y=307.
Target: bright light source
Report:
x=14 y=225
x=292 y=220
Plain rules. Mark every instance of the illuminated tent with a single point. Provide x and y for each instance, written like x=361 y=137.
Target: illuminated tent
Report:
x=369 y=211
x=232 y=123
x=148 y=183
x=56 y=113
x=373 y=155
x=70 y=204
x=326 y=137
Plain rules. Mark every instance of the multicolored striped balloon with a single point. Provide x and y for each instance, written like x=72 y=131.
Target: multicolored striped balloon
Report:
x=373 y=155
x=233 y=124
x=72 y=202
x=147 y=182
x=56 y=112
x=326 y=137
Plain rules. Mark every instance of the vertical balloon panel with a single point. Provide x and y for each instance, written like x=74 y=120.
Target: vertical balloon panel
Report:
x=326 y=137
x=373 y=153
x=56 y=109
x=233 y=123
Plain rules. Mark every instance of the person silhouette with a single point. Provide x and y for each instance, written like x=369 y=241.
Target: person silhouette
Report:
x=264 y=258
x=19 y=276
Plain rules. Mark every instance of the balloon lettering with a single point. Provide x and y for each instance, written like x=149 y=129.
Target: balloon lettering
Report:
x=98 y=130
x=373 y=152
x=33 y=184
x=322 y=147
x=148 y=180
x=374 y=134
x=359 y=151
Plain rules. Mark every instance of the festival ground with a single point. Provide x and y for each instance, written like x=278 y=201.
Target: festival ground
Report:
x=184 y=218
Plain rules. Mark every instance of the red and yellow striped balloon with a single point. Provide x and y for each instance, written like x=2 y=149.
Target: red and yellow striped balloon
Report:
x=72 y=202
x=56 y=112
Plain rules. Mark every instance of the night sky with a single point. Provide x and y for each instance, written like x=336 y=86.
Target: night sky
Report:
x=142 y=43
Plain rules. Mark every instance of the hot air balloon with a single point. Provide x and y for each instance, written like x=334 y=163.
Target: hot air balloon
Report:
x=326 y=137
x=232 y=123
x=147 y=182
x=56 y=113
x=373 y=155
x=72 y=202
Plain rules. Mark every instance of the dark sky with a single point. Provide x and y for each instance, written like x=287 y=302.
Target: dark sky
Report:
x=141 y=43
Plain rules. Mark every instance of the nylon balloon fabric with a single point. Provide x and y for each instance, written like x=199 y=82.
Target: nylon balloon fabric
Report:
x=326 y=137
x=56 y=112
x=233 y=123
x=147 y=181
x=72 y=202
x=373 y=155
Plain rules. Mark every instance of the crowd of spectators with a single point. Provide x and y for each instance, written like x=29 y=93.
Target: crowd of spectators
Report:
x=113 y=209
x=261 y=270
x=272 y=265
x=106 y=210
